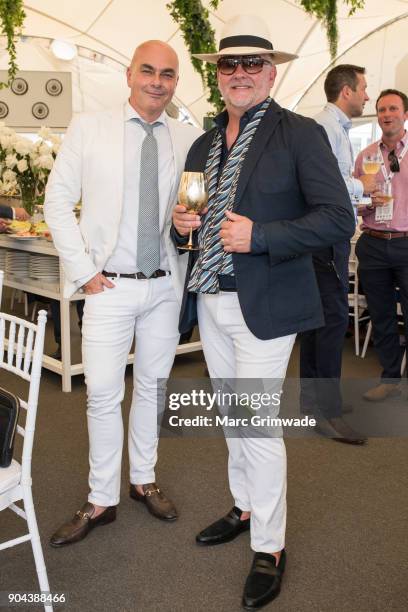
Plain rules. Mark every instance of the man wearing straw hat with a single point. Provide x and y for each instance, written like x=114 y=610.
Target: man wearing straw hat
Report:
x=275 y=195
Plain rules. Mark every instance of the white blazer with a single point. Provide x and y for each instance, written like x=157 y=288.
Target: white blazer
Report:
x=89 y=166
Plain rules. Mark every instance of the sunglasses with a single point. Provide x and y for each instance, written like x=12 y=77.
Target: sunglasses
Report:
x=250 y=64
x=394 y=163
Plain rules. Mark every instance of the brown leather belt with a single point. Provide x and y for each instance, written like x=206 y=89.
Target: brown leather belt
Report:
x=137 y=275
x=385 y=235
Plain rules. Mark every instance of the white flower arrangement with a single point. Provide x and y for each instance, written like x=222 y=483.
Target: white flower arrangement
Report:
x=26 y=165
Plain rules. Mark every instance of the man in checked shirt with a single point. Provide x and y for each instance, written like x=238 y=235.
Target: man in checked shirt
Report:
x=382 y=249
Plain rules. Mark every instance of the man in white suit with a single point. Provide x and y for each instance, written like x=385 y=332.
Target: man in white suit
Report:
x=125 y=165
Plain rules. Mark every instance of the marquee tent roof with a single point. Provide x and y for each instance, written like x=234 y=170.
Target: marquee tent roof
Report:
x=111 y=29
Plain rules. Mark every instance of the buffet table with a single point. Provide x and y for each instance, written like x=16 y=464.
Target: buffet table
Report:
x=27 y=281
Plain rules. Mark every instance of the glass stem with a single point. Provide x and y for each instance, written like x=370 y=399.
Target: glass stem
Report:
x=190 y=239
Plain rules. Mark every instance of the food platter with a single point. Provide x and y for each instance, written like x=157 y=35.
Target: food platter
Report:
x=25 y=230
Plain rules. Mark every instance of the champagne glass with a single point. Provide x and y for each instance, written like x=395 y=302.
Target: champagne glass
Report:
x=372 y=163
x=193 y=194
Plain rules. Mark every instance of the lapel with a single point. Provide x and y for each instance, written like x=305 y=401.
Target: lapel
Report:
x=262 y=135
x=115 y=134
x=178 y=161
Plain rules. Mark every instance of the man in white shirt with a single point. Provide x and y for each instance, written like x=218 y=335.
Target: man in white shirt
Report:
x=321 y=349
x=125 y=165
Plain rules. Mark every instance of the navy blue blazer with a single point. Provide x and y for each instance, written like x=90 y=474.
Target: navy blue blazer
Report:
x=291 y=184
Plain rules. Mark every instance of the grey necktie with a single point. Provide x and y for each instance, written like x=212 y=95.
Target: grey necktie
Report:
x=148 y=232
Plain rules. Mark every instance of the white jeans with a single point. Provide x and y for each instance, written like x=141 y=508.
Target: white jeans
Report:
x=148 y=310
x=256 y=465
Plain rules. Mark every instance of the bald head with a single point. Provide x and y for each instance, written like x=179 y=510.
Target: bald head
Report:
x=153 y=48
x=152 y=77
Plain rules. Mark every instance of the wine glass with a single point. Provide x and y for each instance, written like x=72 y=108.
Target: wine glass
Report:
x=372 y=163
x=385 y=191
x=193 y=194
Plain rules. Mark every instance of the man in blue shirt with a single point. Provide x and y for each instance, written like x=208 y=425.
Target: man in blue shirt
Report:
x=321 y=349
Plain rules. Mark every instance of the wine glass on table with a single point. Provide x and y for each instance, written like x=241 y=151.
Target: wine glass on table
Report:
x=193 y=194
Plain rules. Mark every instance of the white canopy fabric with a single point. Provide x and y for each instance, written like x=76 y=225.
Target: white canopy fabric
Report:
x=111 y=29
x=384 y=55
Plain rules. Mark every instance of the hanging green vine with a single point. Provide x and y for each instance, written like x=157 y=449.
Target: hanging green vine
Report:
x=326 y=11
x=12 y=18
x=199 y=37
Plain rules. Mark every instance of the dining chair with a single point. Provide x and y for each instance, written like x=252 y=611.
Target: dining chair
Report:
x=21 y=352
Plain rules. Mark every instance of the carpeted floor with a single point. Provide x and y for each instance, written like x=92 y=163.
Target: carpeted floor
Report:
x=347 y=532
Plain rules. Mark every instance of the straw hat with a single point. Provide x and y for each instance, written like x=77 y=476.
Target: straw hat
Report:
x=246 y=35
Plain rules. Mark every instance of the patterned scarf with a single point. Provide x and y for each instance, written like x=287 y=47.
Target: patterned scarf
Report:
x=212 y=259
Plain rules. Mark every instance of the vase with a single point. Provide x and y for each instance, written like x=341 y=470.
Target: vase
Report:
x=28 y=198
x=28 y=205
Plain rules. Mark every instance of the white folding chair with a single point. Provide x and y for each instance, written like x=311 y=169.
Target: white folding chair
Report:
x=357 y=301
x=1 y=283
x=21 y=352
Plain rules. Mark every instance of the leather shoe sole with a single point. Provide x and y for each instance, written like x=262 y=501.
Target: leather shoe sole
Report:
x=82 y=523
x=224 y=530
x=264 y=580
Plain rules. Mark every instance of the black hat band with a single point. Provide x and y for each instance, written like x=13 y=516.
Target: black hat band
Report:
x=245 y=41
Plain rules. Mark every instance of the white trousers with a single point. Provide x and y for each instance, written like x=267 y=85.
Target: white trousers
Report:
x=256 y=465
x=147 y=310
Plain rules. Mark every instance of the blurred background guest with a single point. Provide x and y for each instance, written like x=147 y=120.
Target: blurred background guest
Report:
x=382 y=249
x=321 y=349
x=9 y=212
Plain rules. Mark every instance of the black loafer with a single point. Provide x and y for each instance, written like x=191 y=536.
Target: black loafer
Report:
x=264 y=580
x=224 y=530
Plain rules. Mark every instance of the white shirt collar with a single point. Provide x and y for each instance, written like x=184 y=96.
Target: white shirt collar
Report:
x=341 y=116
x=131 y=113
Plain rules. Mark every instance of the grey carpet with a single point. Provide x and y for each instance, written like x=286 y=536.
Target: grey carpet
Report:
x=347 y=530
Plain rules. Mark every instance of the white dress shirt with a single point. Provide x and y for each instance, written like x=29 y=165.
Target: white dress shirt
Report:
x=123 y=258
x=337 y=126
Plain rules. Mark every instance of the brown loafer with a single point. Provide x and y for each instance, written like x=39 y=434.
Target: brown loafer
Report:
x=78 y=528
x=157 y=503
x=338 y=430
x=382 y=392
